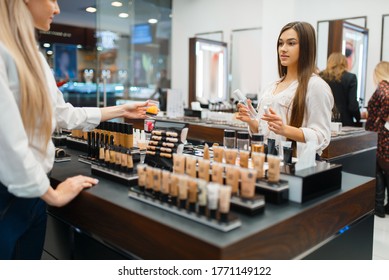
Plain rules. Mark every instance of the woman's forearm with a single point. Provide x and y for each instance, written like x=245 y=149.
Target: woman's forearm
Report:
x=112 y=112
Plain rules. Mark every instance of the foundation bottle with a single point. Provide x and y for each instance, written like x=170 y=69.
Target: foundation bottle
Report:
x=129 y=136
x=257 y=144
x=243 y=140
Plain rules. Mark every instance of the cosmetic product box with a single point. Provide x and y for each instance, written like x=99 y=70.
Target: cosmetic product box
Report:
x=276 y=193
x=310 y=183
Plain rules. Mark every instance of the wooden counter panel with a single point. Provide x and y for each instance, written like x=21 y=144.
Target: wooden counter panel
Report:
x=350 y=144
x=150 y=239
x=205 y=134
x=289 y=239
x=132 y=232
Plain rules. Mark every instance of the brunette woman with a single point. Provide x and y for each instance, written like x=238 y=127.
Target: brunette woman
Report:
x=298 y=105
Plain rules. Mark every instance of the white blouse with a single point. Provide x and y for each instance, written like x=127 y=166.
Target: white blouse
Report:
x=316 y=124
x=23 y=168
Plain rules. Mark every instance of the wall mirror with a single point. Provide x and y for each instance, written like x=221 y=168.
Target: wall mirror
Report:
x=350 y=39
x=245 y=65
x=215 y=36
x=385 y=38
x=208 y=70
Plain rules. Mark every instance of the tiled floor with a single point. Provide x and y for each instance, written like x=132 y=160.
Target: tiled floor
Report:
x=381 y=238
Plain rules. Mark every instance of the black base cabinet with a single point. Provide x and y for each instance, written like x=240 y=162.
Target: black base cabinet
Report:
x=65 y=242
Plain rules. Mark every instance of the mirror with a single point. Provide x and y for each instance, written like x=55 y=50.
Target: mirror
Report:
x=208 y=71
x=349 y=39
x=385 y=38
x=215 y=36
x=246 y=52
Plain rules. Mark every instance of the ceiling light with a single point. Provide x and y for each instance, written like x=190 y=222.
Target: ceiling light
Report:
x=152 y=20
x=91 y=10
x=116 y=4
x=123 y=15
x=49 y=52
x=46 y=45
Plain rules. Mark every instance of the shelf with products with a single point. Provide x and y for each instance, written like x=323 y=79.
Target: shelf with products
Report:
x=105 y=212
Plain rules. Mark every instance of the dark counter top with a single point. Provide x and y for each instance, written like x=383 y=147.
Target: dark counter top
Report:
x=281 y=232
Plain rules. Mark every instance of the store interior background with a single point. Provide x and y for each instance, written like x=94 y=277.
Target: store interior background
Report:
x=251 y=67
x=225 y=20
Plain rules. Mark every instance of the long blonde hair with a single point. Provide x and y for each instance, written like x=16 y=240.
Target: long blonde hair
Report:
x=381 y=72
x=17 y=33
x=336 y=66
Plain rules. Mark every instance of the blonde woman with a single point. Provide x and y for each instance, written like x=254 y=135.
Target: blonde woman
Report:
x=31 y=105
x=378 y=116
x=344 y=88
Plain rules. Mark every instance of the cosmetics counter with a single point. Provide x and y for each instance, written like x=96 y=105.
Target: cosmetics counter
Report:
x=136 y=218
x=351 y=148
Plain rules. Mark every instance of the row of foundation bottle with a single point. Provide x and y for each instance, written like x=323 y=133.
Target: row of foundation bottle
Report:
x=103 y=151
x=208 y=199
x=110 y=145
x=122 y=133
x=241 y=180
x=242 y=158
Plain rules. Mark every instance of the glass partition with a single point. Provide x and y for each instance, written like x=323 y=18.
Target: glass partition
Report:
x=121 y=53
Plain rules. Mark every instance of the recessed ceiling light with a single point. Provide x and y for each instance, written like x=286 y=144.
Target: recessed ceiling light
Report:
x=91 y=10
x=46 y=45
x=152 y=20
x=49 y=52
x=123 y=15
x=116 y=4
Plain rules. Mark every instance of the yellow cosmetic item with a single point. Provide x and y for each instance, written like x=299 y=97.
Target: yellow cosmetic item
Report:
x=153 y=110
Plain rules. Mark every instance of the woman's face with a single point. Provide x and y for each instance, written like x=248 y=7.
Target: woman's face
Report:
x=288 y=48
x=43 y=12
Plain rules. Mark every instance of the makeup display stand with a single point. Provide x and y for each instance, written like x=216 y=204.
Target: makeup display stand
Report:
x=125 y=178
x=156 y=156
x=76 y=144
x=250 y=206
x=309 y=183
x=276 y=193
x=232 y=222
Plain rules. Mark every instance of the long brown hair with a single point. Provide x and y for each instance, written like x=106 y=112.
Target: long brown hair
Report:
x=306 y=66
x=336 y=66
x=18 y=35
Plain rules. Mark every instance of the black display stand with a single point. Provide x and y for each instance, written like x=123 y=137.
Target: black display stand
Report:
x=232 y=222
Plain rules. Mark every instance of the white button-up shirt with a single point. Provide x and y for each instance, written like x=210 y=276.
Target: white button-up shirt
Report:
x=23 y=168
x=316 y=124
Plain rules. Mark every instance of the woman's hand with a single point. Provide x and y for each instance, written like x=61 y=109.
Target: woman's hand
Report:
x=245 y=112
x=245 y=116
x=274 y=122
x=68 y=190
x=135 y=110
